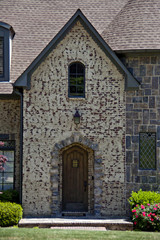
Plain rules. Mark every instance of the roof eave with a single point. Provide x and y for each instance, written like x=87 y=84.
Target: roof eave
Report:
x=24 y=80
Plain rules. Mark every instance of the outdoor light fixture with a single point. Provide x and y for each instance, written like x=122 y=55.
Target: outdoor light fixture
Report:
x=77 y=117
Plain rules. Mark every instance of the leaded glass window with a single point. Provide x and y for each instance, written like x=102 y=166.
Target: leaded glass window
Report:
x=1 y=55
x=147 y=151
x=76 y=80
x=7 y=174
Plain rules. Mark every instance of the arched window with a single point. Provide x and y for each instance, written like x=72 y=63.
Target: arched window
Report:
x=76 y=83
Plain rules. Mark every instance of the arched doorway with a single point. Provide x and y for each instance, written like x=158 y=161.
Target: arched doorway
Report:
x=75 y=180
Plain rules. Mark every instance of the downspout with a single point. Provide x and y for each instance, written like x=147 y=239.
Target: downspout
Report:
x=21 y=142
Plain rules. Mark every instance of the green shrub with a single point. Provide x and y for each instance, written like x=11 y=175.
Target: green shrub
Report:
x=9 y=195
x=10 y=214
x=143 y=198
x=147 y=218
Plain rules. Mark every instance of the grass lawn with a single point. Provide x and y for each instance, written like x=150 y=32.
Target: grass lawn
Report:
x=43 y=234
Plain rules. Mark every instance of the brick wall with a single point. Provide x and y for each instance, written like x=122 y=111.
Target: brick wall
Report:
x=48 y=123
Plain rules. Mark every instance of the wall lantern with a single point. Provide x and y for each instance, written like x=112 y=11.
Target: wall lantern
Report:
x=77 y=117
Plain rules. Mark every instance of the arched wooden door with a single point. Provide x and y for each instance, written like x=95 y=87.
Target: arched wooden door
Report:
x=75 y=180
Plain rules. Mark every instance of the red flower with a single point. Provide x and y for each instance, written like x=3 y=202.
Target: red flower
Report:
x=152 y=219
x=134 y=210
x=155 y=208
x=143 y=207
x=135 y=223
x=144 y=214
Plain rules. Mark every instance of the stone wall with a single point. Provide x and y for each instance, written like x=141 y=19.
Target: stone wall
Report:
x=48 y=121
x=142 y=115
x=10 y=124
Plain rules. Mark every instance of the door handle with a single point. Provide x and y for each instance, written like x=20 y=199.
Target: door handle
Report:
x=85 y=186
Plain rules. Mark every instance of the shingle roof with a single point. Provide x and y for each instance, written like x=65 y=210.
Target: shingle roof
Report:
x=37 y=22
x=136 y=26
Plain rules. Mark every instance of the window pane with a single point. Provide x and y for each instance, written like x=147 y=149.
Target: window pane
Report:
x=72 y=89
x=8 y=177
x=73 y=68
x=1 y=178
x=76 y=80
x=147 y=151
x=80 y=80
x=1 y=56
x=80 y=68
x=7 y=186
x=79 y=89
x=73 y=80
x=9 y=155
x=9 y=166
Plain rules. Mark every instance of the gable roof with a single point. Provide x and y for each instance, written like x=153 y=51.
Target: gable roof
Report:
x=37 y=22
x=25 y=78
x=136 y=27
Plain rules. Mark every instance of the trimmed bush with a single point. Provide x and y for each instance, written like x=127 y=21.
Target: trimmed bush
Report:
x=10 y=214
x=143 y=198
x=147 y=218
x=9 y=195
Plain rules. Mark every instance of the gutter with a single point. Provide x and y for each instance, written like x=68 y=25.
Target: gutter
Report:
x=21 y=142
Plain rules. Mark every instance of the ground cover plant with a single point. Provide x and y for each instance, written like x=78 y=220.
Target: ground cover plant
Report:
x=145 y=207
x=43 y=234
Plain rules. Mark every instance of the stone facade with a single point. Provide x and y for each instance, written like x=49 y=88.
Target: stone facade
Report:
x=49 y=127
x=142 y=115
x=10 y=125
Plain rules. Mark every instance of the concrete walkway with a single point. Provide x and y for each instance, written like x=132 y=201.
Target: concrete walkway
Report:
x=109 y=224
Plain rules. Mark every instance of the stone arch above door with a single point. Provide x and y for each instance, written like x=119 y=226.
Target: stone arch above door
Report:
x=94 y=156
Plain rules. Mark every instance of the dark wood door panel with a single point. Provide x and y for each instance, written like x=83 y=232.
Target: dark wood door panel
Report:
x=75 y=179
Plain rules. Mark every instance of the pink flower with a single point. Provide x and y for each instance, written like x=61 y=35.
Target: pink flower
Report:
x=143 y=207
x=135 y=223
x=156 y=205
x=136 y=216
x=1 y=143
x=153 y=214
x=149 y=215
x=134 y=210
x=148 y=204
x=144 y=214
x=136 y=205
x=155 y=208
x=152 y=219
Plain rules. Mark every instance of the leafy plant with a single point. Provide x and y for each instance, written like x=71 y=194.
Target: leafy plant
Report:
x=147 y=218
x=10 y=214
x=143 y=198
x=9 y=195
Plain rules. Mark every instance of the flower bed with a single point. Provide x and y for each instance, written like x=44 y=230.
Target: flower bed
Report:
x=147 y=217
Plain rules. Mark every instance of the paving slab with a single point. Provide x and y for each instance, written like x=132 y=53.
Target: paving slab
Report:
x=82 y=228
x=109 y=224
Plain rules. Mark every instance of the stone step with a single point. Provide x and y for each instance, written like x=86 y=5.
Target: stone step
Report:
x=74 y=214
x=109 y=224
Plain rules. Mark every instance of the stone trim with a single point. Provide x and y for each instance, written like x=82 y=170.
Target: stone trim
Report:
x=94 y=173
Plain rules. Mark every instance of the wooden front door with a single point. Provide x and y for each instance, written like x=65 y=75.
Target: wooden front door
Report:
x=75 y=180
